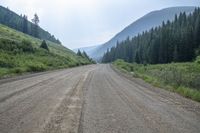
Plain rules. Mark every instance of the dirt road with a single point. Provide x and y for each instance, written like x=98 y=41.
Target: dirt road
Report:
x=92 y=99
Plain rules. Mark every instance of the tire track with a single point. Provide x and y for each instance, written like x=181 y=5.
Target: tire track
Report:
x=152 y=117
x=3 y=99
x=85 y=90
x=67 y=116
x=41 y=84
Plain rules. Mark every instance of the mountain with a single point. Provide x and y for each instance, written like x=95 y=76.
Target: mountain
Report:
x=175 y=41
x=17 y=22
x=88 y=50
x=146 y=22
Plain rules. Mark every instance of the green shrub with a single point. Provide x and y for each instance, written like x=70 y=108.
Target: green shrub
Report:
x=7 y=44
x=6 y=64
x=36 y=67
x=6 y=61
x=197 y=60
x=18 y=70
x=183 y=78
x=189 y=93
x=4 y=71
x=11 y=45
x=44 y=45
x=26 y=46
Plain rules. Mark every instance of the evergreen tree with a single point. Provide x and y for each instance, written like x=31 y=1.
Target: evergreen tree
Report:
x=175 y=54
x=197 y=30
x=173 y=41
x=79 y=53
x=21 y=23
x=137 y=58
x=35 y=27
x=84 y=54
x=25 y=24
x=44 y=45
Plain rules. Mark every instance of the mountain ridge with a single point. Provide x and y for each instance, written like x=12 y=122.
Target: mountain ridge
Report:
x=145 y=23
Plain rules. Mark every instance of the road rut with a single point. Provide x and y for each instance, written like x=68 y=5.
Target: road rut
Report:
x=92 y=99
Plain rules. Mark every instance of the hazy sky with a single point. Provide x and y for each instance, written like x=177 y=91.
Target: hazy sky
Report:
x=79 y=23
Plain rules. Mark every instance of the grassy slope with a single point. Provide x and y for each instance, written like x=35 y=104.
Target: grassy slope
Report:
x=18 y=62
x=182 y=78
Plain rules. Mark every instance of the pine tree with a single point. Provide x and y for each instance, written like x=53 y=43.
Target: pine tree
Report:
x=197 y=31
x=35 y=27
x=137 y=58
x=173 y=41
x=175 y=54
x=79 y=53
x=85 y=55
x=44 y=45
x=25 y=24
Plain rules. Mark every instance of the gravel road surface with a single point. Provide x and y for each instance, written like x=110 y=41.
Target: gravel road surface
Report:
x=92 y=99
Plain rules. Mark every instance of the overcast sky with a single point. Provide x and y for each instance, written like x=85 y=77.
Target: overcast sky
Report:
x=80 y=23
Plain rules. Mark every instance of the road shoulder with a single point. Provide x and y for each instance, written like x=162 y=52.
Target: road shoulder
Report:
x=173 y=97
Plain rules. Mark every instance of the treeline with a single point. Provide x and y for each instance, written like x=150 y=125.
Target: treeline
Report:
x=176 y=41
x=84 y=55
x=21 y=23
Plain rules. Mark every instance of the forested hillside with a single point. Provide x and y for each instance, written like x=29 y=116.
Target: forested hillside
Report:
x=145 y=23
x=176 y=41
x=21 y=23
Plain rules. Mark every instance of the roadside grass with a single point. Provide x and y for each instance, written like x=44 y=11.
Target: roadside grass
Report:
x=17 y=63
x=182 y=78
x=20 y=53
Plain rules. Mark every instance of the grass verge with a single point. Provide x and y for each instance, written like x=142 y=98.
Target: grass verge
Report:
x=182 y=78
x=21 y=53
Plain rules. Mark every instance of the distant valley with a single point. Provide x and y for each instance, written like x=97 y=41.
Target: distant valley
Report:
x=145 y=23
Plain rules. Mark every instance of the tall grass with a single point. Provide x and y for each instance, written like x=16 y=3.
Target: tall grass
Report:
x=21 y=53
x=183 y=78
